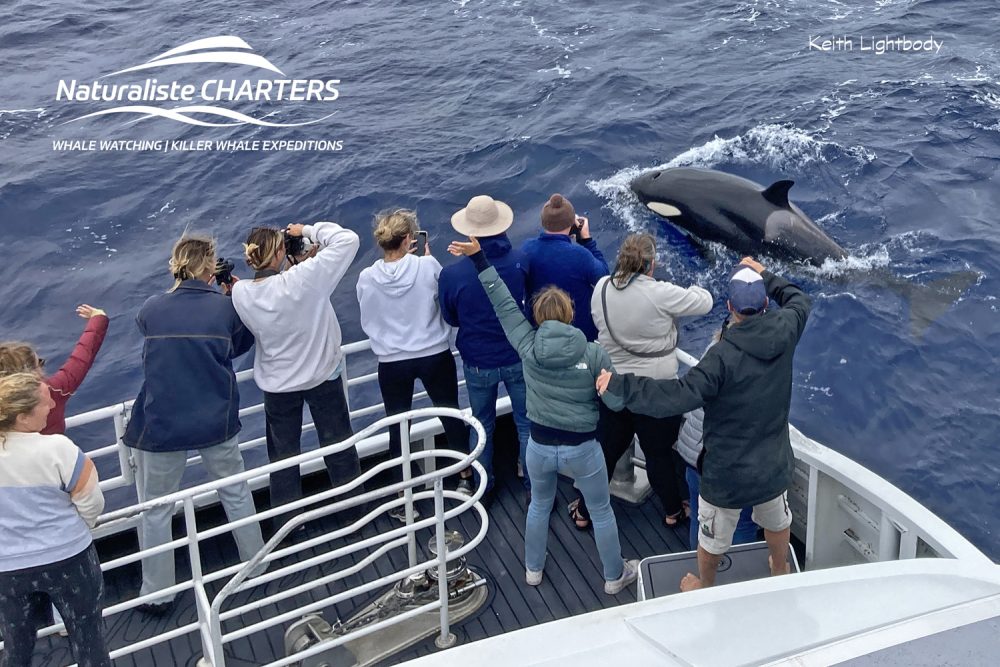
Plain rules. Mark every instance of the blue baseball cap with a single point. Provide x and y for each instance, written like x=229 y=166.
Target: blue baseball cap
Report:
x=747 y=294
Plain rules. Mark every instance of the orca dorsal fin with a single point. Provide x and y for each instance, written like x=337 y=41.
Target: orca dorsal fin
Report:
x=777 y=193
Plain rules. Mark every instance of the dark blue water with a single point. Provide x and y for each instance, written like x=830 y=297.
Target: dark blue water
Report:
x=894 y=155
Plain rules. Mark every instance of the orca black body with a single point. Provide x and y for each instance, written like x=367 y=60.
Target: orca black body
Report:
x=734 y=211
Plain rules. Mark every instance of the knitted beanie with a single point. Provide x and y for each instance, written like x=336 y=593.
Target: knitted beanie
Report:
x=558 y=214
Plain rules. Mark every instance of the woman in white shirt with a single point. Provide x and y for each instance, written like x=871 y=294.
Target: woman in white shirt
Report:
x=49 y=501
x=298 y=358
x=636 y=317
x=401 y=316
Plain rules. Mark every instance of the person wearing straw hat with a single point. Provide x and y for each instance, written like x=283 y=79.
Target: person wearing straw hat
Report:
x=487 y=357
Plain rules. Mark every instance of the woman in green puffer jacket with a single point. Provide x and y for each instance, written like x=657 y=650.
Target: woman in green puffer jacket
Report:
x=560 y=369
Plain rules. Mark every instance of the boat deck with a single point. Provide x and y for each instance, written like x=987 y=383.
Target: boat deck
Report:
x=573 y=581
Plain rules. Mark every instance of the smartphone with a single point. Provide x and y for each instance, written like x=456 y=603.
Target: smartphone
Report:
x=421 y=243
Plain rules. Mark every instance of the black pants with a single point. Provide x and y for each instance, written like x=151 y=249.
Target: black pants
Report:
x=664 y=466
x=437 y=373
x=328 y=406
x=75 y=587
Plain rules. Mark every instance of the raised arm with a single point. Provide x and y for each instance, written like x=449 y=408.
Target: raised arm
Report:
x=338 y=247
x=795 y=304
x=70 y=376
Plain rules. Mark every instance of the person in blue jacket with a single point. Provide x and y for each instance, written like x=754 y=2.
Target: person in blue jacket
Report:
x=188 y=401
x=553 y=259
x=487 y=357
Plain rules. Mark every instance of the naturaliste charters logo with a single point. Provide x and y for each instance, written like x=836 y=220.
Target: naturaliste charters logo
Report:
x=201 y=97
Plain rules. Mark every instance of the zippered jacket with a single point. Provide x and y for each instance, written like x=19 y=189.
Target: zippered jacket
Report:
x=189 y=398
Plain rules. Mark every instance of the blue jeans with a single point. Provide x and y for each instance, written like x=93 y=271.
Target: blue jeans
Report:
x=746 y=529
x=585 y=464
x=482 y=385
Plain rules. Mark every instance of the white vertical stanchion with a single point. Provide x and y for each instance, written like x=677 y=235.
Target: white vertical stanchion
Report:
x=446 y=639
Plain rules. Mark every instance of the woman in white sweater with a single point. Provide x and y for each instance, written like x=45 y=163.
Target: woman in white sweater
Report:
x=401 y=316
x=49 y=501
x=636 y=317
x=298 y=358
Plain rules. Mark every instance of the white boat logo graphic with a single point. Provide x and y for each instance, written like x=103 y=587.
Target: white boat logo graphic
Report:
x=221 y=50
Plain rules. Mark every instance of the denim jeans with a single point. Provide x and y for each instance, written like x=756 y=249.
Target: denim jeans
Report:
x=746 y=529
x=328 y=407
x=585 y=464
x=75 y=587
x=482 y=385
x=160 y=475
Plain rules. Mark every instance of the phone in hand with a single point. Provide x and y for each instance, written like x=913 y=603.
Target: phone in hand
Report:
x=420 y=241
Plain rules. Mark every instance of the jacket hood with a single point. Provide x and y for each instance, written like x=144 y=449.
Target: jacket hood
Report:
x=495 y=246
x=558 y=345
x=760 y=336
x=396 y=278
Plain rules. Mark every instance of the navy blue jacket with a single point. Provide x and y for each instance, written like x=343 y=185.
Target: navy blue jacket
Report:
x=189 y=398
x=464 y=304
x=553 y=259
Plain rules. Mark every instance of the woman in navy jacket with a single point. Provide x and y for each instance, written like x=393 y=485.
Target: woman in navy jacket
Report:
x=188 y=401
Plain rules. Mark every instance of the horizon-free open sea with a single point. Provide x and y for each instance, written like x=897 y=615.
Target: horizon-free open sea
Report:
x=893 y=154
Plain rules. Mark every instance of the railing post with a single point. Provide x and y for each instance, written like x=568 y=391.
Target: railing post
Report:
x=124 y=454
x=411 y=537
x=211 y=637
x=446 y=639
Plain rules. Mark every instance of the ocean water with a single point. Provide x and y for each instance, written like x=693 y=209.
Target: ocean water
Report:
x=894 y=154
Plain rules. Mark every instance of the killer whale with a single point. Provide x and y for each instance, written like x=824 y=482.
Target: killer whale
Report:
x=742 y=215
x=751 y=219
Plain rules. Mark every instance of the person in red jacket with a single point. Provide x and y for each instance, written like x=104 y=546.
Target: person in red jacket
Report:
x=19 y=357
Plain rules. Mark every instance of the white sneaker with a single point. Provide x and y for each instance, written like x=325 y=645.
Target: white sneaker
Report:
x=629 y=574
x=399 y=513
x=533 y=578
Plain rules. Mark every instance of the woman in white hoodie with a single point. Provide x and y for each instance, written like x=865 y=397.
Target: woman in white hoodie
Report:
x=401 y=316
x=298 y=358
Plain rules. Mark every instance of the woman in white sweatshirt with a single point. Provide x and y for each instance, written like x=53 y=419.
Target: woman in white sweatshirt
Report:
x=298 y=358
x=636 y=318
x=49 y=501
x=401 y=316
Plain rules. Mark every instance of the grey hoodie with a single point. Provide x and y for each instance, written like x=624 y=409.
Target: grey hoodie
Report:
x=560 y=366
x=399 y=308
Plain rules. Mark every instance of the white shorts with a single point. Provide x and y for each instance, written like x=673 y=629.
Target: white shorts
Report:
x=716 y=525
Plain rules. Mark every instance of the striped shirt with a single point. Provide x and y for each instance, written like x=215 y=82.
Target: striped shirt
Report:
x=49 y=500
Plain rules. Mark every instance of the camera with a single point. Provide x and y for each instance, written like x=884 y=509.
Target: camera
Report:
x=224 y=271
x=295 y=245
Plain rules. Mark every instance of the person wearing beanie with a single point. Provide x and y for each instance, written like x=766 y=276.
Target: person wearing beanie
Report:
x=553 y=259
x=744 y=383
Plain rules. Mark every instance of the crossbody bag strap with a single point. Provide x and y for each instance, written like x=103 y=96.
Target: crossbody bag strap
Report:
x=607 y=324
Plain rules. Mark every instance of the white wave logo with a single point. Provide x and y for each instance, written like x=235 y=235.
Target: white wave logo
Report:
x=221 y=50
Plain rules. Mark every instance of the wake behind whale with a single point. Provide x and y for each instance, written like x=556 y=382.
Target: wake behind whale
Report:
x=711 y=205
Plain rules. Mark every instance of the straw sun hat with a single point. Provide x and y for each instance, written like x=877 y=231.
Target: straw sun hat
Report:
x=484 y=216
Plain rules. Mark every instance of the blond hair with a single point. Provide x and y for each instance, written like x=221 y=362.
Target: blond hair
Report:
x=191 y=257
x=552 y=303
x=18 y=396
x=17 y=357
x=636 y=255
x=393 y=226
x=262 y=246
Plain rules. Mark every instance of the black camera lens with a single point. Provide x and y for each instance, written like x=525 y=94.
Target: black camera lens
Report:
x=224 y=271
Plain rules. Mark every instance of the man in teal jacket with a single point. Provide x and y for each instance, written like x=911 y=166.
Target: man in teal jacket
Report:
x=744 y=383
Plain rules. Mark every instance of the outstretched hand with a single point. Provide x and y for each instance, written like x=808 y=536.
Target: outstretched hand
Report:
x=603 y=380
x=295 y=229
x=86 y=312
x=753 y=264
x=469 y=249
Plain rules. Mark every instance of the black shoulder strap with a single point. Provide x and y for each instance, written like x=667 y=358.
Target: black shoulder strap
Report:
x=607 y=325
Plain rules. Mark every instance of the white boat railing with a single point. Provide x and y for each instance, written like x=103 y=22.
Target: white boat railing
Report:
x=371 y=503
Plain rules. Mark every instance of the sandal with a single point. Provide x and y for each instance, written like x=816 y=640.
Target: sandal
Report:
x=580 y=519
x=675 y=518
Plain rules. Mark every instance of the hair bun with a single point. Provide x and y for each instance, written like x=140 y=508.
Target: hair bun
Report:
x=556 y=200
